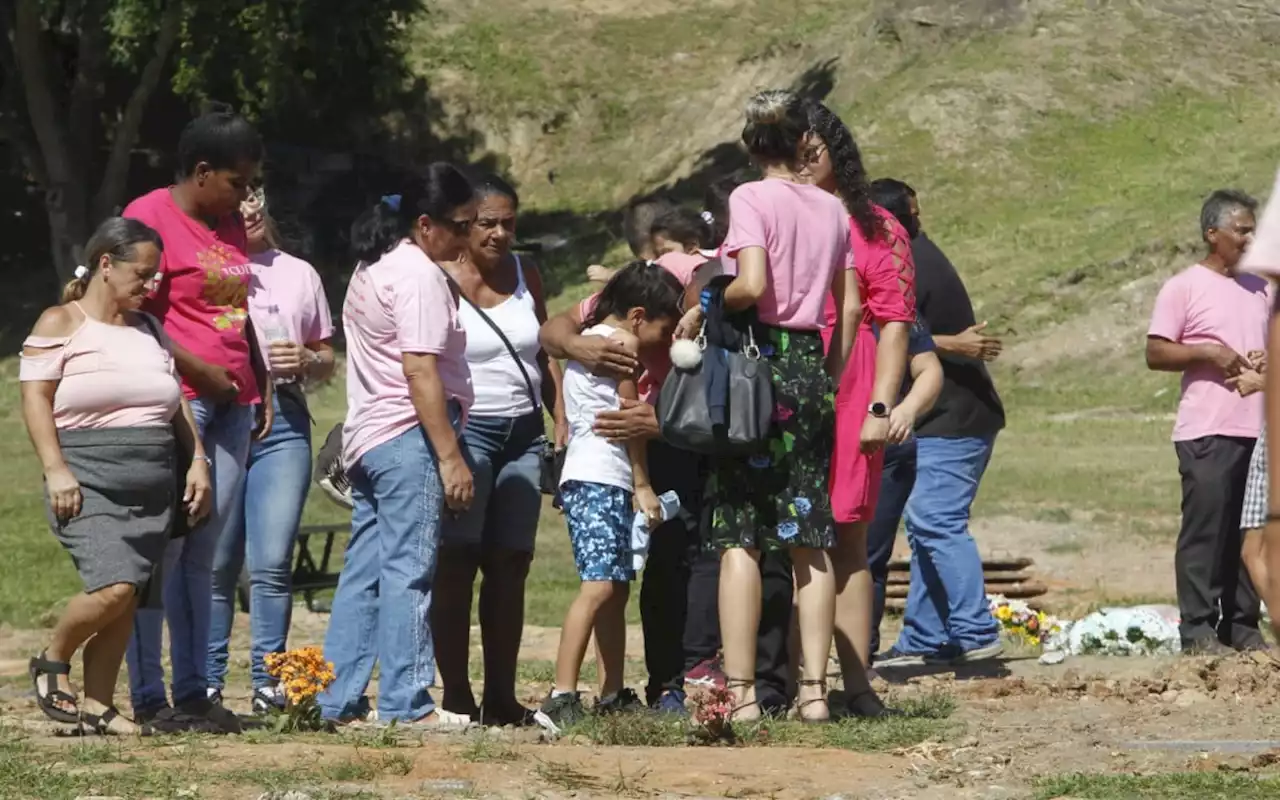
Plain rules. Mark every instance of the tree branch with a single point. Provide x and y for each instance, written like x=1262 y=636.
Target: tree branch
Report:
x=116 y=173
x=90 y=23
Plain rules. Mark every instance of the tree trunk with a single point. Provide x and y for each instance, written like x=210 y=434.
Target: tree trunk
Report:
x=68 y=228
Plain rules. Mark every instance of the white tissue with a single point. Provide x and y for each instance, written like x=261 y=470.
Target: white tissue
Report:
x=670 y=502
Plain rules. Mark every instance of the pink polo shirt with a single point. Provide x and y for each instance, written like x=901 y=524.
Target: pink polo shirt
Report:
x=399 y=304
x=202 y=297
x=1199 y=306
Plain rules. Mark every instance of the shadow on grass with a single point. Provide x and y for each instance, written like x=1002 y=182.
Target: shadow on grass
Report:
x=924 y=718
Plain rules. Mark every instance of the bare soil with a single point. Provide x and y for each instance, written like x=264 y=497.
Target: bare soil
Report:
x=1016 y=719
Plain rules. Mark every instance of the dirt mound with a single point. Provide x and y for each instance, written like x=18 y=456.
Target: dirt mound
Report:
x=1184 y=682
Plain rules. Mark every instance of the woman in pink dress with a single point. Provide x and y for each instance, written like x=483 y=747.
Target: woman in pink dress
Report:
x=866 y=417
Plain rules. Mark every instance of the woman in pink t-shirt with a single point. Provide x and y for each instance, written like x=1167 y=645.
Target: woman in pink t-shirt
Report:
x=201 y=299
x=293 y=323
x=791 y=241
x=867 y=396
x=101 y=401
x=408 y=391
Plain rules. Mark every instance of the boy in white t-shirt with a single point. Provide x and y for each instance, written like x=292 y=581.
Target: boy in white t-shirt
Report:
x=602 y=484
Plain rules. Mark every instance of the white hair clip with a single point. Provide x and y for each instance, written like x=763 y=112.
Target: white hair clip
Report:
x=82 y=272
x=708 y=218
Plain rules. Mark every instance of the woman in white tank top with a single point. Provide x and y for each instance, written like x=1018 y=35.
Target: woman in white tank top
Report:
x=504 y=438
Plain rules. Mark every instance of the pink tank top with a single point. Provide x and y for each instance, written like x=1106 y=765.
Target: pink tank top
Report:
x=109 y=376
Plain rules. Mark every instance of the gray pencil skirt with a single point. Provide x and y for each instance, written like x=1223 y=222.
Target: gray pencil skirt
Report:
x=129 y=493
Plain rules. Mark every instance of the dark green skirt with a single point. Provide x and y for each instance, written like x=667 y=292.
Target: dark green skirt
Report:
x=779 y=499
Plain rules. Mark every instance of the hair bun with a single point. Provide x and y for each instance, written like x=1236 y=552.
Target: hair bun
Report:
x=770 y=107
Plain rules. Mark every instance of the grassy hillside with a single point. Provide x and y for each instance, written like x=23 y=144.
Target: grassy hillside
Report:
x=1061 y=149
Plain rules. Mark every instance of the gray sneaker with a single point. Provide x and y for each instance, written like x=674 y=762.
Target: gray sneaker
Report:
x=893 y=657
x=957 y=657
x=560 y=712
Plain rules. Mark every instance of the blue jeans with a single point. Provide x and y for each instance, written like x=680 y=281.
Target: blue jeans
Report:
x=946 y=604
x=263 y=529
x=381 y=611
x=187 y=572
x=505 y=456
x=895 y=487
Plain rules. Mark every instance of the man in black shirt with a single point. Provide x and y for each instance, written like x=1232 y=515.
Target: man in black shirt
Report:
x=935 y=477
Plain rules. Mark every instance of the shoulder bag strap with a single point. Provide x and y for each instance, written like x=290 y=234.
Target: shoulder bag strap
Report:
x=537 y=404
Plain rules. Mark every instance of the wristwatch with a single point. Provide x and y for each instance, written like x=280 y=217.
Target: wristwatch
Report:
x=878 y=410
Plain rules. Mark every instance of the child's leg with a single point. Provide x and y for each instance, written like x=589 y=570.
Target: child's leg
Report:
x=576 y=632
x=611 y=639
x=599 y=520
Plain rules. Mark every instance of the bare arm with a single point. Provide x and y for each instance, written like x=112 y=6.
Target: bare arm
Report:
x=320 y=369
x=561 y=337
x=552 y=374
x=753 y=278
x=557 y=335
x=844 y=289
x=1167 y=356
x=426 y=390
x=891 y=361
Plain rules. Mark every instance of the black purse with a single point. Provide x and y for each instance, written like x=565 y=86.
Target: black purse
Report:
x=684 y=416
x=552 y=460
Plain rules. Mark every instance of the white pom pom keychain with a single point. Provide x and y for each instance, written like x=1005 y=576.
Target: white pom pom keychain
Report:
x=686 y=354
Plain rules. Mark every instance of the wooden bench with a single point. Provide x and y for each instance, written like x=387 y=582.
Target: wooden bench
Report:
x=309 y=576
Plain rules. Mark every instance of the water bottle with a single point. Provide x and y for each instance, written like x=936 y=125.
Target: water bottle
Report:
x=274 y=330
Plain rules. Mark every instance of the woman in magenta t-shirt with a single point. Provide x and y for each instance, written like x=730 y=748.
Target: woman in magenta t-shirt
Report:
x=865 y=402
x=408 y=391
x=201 y=298
x=790 y=240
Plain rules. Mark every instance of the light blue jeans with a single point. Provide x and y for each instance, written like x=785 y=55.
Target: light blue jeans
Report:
x=946 y=605
x=187 y=572
x=382 y=609
x=263 y=529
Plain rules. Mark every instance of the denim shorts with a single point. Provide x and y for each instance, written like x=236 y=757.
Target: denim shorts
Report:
x=505 y=456
x=599 y=519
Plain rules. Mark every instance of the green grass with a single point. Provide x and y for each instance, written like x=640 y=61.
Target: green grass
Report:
x=925 y=718
x=1173 y=786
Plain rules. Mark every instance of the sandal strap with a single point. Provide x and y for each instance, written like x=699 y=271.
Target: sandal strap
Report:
x=734 y=683
x=44 y=666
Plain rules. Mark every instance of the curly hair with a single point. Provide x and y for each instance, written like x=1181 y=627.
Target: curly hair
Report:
x=846 y=162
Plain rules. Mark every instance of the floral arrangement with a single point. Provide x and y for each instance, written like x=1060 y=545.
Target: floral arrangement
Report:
x=1022 y=622
x=303 y=674
x=711 y=709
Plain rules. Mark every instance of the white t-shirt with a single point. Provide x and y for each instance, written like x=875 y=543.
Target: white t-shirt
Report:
x=591 y=458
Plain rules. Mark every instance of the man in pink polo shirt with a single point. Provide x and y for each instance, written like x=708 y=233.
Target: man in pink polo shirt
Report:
x=1210 y=324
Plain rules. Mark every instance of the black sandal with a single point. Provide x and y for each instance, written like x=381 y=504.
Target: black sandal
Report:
x=100 y=724
x=735 y=683
x=800 y=704
x=49 y=701
x=868 y=705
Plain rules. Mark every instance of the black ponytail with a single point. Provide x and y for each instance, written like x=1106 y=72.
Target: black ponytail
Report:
x=640 y=284
x=846 y=164
x=436 y=192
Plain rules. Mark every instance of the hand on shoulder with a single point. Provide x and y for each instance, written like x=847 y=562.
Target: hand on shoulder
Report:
x=628 y=340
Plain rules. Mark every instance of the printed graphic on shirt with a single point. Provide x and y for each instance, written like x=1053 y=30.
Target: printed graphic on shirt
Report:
x=226 y=285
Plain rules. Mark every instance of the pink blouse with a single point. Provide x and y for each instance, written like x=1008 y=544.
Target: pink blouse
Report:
x=109 y=376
